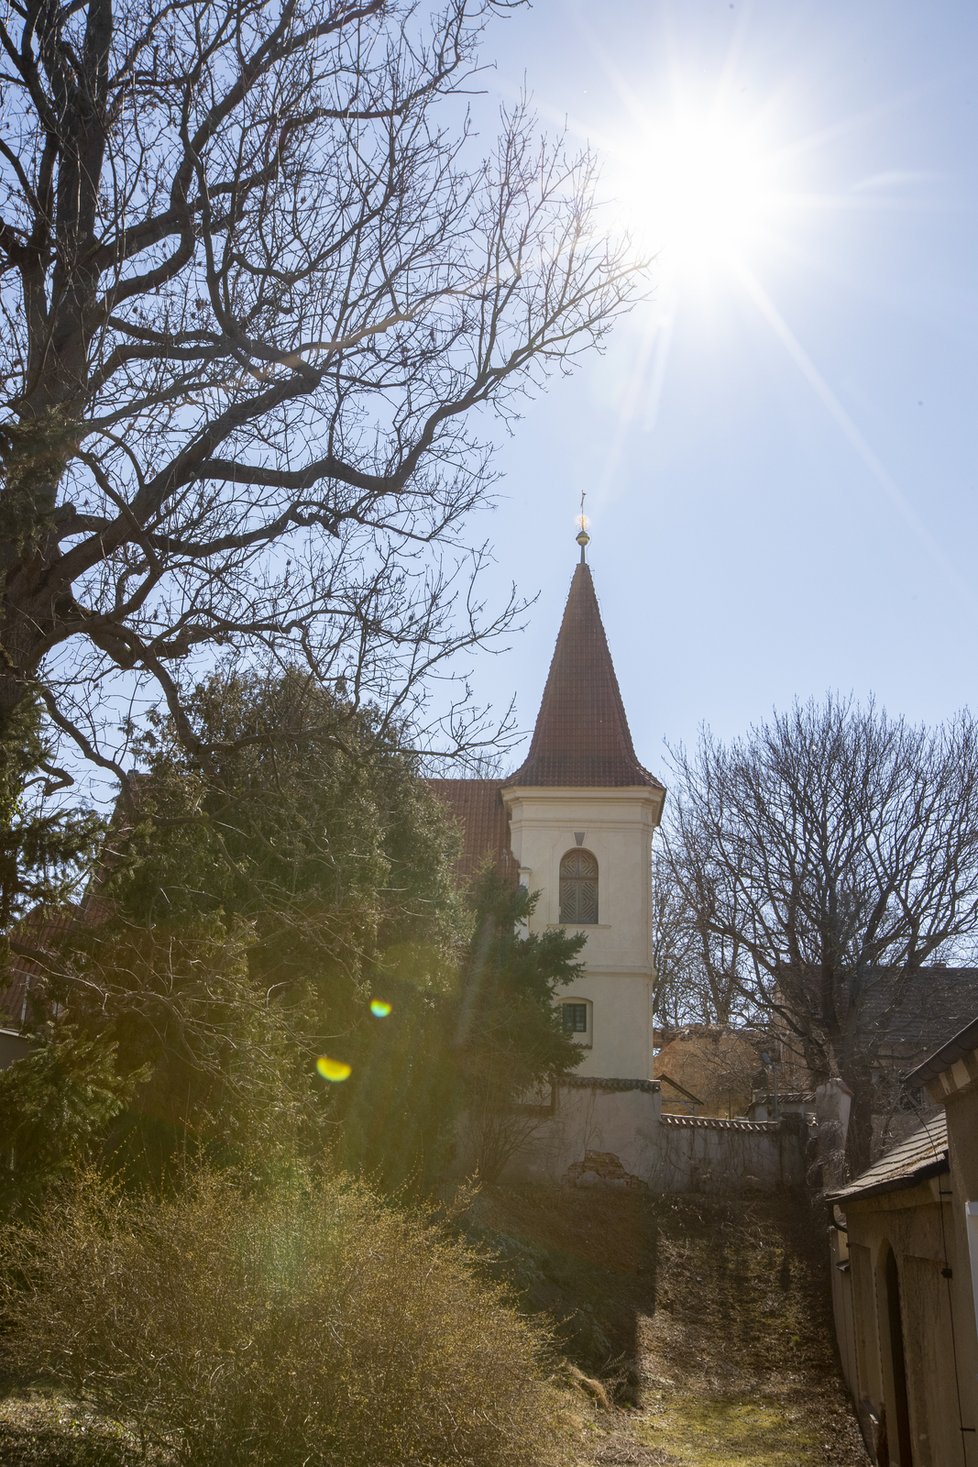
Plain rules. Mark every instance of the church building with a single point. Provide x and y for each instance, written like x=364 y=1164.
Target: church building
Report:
x=575 y=823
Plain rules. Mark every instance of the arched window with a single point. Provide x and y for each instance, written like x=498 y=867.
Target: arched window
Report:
x=578 y=888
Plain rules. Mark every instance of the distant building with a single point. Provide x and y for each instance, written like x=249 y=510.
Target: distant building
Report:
x=903 y=1017
x=720 y=1065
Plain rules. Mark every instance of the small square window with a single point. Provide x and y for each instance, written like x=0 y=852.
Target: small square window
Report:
x=574 y=1018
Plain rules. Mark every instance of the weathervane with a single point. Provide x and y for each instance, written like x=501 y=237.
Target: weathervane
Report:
x=583 y=538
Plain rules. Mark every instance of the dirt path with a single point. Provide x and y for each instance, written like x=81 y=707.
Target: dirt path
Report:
x=716 y=1312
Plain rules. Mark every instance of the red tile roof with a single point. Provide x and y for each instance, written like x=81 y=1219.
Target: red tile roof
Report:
x=483 y=821
x=581 y=738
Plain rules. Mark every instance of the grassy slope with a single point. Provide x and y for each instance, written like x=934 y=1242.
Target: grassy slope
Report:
x=709 y=1316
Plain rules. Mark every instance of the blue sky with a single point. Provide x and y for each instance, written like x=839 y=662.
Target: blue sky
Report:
x=780 y=456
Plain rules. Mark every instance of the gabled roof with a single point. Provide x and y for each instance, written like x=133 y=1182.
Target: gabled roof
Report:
x=908 y=1015
x=922 y=1155
x=581 y=738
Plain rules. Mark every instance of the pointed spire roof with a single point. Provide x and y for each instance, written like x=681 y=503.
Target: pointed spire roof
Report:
x=581 y=738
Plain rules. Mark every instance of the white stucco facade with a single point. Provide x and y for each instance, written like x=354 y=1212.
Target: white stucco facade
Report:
x=616 y=826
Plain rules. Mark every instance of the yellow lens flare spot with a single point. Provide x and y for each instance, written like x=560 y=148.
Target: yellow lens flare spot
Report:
x=333 y=1070
x=380 y=1008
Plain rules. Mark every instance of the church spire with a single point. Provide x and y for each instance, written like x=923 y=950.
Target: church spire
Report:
x=581 y=738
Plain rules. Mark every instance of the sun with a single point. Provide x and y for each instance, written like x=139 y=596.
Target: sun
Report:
x=701 y=190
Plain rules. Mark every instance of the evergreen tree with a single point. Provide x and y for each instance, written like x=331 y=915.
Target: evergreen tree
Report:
x=264 y=911
x=45 y=841
x=509 y=1038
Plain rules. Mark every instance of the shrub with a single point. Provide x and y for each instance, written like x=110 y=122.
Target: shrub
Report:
x=307 y=1325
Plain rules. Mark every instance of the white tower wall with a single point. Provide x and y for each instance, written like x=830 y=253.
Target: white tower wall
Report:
x=616 y=826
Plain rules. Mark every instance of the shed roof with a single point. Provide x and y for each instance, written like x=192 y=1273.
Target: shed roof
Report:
x=963 y=1043
x=922 y=1155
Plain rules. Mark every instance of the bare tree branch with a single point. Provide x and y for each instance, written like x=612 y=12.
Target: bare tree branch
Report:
x=255 y=288
x=828 y=857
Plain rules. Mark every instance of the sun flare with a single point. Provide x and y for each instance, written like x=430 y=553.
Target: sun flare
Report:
x=700 y=191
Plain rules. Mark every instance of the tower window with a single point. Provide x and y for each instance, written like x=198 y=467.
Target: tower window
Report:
x=579 y=888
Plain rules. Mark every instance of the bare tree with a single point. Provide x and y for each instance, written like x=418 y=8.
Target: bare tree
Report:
x=699 y=977
x=835 y=851
x=254 y=285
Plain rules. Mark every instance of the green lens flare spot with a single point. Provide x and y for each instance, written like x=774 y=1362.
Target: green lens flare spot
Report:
x=380 y=1008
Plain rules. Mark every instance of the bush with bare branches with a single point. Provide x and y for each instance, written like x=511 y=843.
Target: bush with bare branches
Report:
x=306 y=1325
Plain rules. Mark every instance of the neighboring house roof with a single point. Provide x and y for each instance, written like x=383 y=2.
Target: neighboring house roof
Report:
x=933 y=1002
x=668 y=1080
x=922 y=1155
x=964 y=1043
x=581 y=738
x=482 y=819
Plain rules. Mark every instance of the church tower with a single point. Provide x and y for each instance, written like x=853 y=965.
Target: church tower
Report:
x=582 y=812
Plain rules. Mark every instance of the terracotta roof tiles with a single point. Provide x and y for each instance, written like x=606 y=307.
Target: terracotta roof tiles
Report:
x=482 y=819
x=581 y=738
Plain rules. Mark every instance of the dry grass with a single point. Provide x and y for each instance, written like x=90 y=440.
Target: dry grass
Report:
x=713 y=1315
x=42 y=1429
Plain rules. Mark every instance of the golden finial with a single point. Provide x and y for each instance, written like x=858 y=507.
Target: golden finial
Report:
x=583 y=538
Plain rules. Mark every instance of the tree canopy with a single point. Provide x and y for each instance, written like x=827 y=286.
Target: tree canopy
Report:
x=45 y=844
x=827 y=856
x=276 y=959
x=255 y=909
x=509 y=1039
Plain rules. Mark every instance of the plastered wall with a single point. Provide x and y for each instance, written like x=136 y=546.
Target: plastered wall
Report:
x=616 y=827
x=623 y=1120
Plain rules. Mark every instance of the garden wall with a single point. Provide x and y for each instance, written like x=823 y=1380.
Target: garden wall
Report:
x=613 y=1133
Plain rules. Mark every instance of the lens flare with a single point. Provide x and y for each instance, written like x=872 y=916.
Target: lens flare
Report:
x=333 y=1070
x=380 y=1008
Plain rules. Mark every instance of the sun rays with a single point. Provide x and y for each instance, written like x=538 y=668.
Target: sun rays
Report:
x=741 y=214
